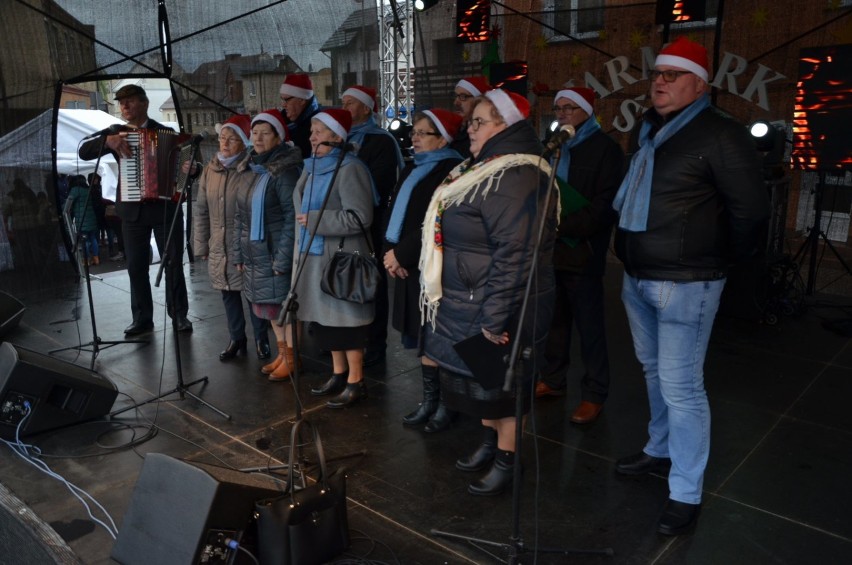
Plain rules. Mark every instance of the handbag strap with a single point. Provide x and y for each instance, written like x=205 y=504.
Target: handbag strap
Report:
x=363 y=232
x=294 y=441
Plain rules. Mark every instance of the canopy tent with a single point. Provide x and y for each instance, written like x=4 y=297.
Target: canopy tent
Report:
x=28 y=147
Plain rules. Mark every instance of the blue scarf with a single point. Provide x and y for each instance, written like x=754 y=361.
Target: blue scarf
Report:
x=257 y=231
x=369 y=127
x=589 y=128
x=226 y=162
x=424 y=163
x=320 y=171
x=634 y=194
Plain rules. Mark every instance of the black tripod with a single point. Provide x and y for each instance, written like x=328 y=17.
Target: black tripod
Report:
x=515 y=546
x=811 y=243
x=96 y=344
x=181 y=388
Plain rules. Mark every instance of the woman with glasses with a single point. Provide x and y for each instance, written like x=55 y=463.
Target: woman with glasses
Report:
x=478 y=236
x=223 y=178
x=264 y=228
x=433 y=159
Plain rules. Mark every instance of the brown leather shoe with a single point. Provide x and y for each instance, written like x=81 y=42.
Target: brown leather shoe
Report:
x=586 y=413
x=544 y=389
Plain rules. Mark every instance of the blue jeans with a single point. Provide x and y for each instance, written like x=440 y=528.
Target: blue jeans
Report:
x=671 y=323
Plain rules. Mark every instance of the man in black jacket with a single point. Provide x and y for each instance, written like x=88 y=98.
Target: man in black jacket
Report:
x=299 y=105
x=592 y=165
x=382 y=155
x=692 y=202
x=139 y=219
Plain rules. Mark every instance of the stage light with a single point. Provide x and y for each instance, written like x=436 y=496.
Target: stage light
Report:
x=764 y=135
x=400 y=131
x=423 y=5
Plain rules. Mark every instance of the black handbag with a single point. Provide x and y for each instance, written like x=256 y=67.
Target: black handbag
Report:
x=350 y=275
x=307 y=526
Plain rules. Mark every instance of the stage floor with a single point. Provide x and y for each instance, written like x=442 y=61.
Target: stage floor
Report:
x=776 y=488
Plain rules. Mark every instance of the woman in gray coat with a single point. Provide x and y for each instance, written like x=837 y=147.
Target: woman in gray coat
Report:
x=264 y=228
x=339 y=326
x=225 y=176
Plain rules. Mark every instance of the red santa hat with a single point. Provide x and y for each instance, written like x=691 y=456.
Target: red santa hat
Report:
x=298 y=85
x=685 y=54
x=363 y=94
x=240 y=124
x=512 y=107
x=274 y=118
x=581 y=96
x=448 y=123
x=477 y=85
x=337 y=120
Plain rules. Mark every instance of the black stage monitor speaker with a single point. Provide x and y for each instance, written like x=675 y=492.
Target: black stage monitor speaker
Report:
x=181 y=513
x=11 y=312
x=57 y=393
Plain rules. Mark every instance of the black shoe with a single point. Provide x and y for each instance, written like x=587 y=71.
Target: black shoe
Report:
x=497 y=478
x=263 y=351
x=138 y=328
x=440 y=420
x=421 y=414
x=678 y=518
x=234 y=348
x=373 y=357
x=333 y=385
x=350 y=395
x=483 y=456
x=184 y=325
x=642 y=463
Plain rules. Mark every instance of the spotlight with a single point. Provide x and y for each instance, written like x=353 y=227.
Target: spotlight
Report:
x=423 y=5
x=764 y=135
x=400 y=131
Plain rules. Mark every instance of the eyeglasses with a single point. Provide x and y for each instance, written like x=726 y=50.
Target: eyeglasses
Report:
x=285 y=100
x=462 y=97
x=567 y=108
x=668 y=76
x=476 y=123
x=419 y=133
x=228 y=140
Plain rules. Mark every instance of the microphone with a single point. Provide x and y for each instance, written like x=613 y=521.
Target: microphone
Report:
x=564 y=133
x=111 y=130
x=342 y=145
x=194 y=140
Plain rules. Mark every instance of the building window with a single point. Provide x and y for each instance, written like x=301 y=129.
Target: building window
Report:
x=582 y=19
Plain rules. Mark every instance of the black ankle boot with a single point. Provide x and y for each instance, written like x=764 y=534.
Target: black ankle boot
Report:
x=332 y=386
x=234 y=348
x=263 y=351
x=431 y=395
x=497 y=478
x=483 y=455
x=350 y=395
x=440 y=420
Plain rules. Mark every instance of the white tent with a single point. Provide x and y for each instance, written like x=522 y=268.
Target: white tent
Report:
x=28 y=147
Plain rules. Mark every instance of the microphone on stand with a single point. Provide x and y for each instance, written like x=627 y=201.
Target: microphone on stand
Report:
x=563 y=134
x=342 y=145
x=194 y=140
x=111 y=130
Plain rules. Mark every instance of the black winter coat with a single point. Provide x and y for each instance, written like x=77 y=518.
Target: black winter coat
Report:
x=597 y=167
x=708 y=208
x=406 y=292
x=487 y=252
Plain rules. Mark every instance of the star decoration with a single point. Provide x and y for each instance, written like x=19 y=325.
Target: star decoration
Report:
x=760 y=16
x=575 y=60
x=602 y=34
x=541 y=43
x=466 y=55
x=637 y=39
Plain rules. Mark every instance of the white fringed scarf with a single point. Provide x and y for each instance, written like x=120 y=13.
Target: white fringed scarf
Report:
x=478 y=179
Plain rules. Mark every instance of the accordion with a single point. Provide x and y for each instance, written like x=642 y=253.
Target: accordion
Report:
x=154 y=169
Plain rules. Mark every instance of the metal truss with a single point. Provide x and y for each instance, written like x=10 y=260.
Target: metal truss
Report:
x=396 y=31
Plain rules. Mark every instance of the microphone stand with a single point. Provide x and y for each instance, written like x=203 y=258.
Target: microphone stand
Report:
x=516 y=546
x=181 y=388
x=289 y=310
x=96 y=344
